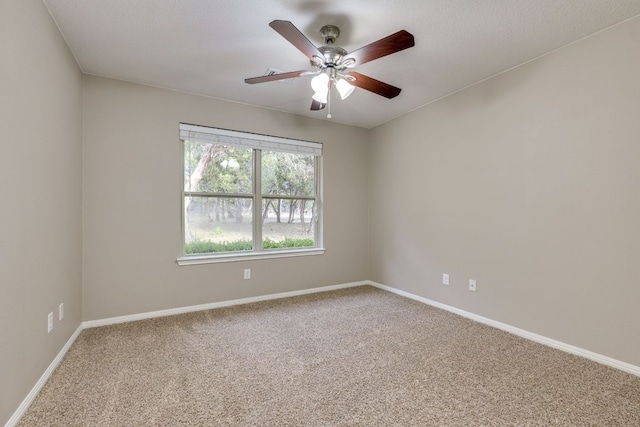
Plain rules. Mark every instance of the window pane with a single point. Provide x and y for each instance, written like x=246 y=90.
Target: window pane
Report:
x=218 y=224
x=288 y=174
x=288 y=223
x=217 y=168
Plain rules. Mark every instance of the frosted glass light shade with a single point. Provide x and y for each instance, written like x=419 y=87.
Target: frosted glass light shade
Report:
x=320 y=83
x=344 y=88
x=321 y=97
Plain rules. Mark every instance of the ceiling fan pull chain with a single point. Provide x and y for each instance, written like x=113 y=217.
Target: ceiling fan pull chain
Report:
x=329 y=102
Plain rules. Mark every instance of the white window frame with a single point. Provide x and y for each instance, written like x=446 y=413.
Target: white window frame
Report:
x=258 y=143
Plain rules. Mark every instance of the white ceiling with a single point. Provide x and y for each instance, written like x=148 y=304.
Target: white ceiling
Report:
x=208 y=47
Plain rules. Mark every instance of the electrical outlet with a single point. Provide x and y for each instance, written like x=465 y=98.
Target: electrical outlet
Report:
x=472 y=285
x=50 y=322
x=247 y=273
x=445 y=278
x=61 y=311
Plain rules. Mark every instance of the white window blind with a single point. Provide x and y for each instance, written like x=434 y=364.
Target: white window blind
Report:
x=264 y=142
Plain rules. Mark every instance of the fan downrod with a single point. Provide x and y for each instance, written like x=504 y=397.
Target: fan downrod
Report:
x=332 y=54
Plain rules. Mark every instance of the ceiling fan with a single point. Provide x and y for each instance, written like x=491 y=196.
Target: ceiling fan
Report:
x=332 y=64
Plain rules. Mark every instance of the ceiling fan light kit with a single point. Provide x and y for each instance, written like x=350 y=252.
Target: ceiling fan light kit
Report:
x=331 y=64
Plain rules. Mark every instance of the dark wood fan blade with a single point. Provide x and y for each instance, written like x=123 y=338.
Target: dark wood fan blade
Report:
x=287 y=30
x=373 y=85
x=315 y=105
x=383 y=47
x=273 y=77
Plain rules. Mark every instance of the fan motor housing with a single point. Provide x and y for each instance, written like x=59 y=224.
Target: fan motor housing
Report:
x=332 y=55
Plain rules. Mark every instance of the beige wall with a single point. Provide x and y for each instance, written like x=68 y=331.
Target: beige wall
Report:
x=40 y=196
x=132 y=202
x=528 y=182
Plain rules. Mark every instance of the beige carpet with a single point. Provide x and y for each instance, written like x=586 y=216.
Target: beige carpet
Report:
x=354 y=357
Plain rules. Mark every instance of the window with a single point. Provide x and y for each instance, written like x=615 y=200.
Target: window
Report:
x=248 y=195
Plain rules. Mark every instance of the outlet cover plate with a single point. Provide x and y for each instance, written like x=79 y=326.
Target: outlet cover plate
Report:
x=50 y=322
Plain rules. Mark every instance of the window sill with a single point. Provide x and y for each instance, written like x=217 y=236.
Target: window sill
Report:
x=212 y=259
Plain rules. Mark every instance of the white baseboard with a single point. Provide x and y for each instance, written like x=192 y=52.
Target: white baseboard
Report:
x=605 y=360
x=41 y=382
x=200 y=307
